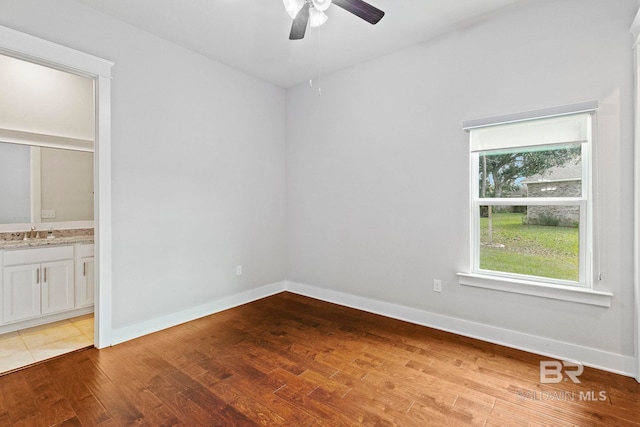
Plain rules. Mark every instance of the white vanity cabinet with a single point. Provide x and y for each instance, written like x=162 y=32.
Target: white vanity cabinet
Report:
x=20 y=293
x=85 y=275
x=36 y=282
x=57 y=286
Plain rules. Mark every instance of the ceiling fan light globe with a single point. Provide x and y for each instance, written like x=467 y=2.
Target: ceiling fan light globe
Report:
x=321 y=5
x=317 y=17
x=293 y=7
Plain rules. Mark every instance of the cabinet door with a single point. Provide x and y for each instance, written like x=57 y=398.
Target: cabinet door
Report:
x=20 y=292
x=85 y=282
x=57 y=286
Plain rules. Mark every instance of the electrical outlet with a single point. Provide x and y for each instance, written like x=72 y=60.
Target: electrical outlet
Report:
x=238 y=270
x=437 y=285
x=48 y=214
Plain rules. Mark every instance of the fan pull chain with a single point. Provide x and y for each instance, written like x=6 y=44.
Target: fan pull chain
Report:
x=319 y=88
x=319 y=61
x=315 y=63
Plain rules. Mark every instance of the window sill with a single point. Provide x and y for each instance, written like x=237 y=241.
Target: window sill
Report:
x=526 y=287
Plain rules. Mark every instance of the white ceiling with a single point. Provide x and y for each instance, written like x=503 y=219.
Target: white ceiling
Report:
x=253 y=35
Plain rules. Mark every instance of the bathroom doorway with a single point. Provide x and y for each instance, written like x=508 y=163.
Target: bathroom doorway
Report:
x=62 y=59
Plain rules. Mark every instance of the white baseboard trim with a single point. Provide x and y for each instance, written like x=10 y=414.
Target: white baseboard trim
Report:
x=612 y=362
x=147 y=327
x=12 y=327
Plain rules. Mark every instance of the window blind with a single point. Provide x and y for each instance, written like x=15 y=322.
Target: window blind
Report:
x=560 y=125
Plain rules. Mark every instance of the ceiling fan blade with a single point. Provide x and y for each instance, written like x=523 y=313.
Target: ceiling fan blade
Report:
x=361 y=9
x=299 y=25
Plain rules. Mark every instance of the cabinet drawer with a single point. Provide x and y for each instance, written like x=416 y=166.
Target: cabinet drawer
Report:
x=84 y=250
x=37 y=255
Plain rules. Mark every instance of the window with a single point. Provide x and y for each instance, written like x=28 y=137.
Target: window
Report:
x=531 y=207
x=530 y=211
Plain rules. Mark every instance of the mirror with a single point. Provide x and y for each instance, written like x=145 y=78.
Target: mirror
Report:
x=46 y=144
x=40 y=184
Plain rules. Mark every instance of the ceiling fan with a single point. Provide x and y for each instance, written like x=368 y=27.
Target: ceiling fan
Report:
x=312 y=12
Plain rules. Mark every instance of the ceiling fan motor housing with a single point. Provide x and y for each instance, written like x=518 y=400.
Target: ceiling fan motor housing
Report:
x=311 y=12
x=321 y=5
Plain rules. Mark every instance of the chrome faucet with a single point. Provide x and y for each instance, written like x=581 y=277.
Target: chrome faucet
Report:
x=31 y=234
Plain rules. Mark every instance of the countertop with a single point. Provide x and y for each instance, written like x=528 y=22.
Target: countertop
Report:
x=62 y=237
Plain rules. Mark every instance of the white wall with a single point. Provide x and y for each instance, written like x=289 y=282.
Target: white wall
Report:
x=40 y=99
x=377 y=167
x=197 y=165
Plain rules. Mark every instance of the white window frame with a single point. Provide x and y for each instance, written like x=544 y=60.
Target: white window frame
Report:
x=581 y=291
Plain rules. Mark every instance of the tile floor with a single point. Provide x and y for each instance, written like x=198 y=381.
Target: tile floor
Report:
x=22 y=348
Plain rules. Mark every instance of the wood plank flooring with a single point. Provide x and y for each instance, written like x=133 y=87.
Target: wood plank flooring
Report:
x=294 y=361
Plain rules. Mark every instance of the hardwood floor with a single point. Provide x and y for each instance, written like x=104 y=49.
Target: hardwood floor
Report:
x=295 y=361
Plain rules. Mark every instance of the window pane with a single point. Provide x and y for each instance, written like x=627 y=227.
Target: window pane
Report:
x=548 y=171
x=531 y=240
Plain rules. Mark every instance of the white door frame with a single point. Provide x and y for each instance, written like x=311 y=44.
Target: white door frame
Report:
x=34 y=49
x=635 y=30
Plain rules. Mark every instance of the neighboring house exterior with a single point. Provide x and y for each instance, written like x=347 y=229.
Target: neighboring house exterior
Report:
x=562 y=181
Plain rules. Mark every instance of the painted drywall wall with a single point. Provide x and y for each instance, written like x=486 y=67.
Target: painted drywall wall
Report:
x=40 y=99
x=378 y=166
x=197 y=165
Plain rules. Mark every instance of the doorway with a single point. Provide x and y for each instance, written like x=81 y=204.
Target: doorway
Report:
x=38 y=51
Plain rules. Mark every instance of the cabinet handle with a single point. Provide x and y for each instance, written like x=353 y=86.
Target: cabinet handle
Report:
x=84 y=269
x=45 y=275
x=38 y=276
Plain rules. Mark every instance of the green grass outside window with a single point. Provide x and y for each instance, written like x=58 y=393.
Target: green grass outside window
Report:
x=535 y=250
